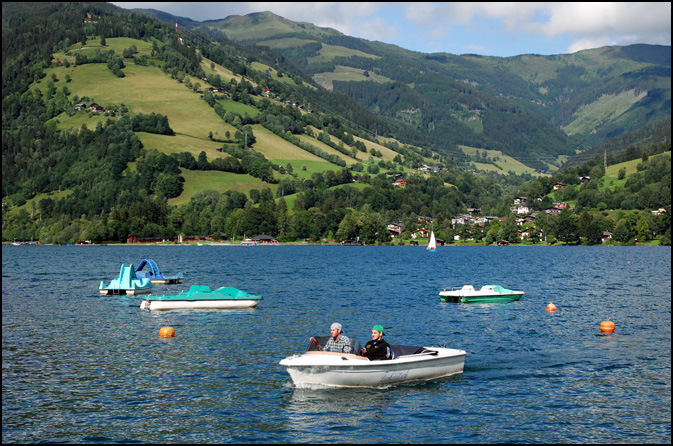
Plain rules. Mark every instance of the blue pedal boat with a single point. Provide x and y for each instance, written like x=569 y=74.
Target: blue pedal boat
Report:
x=126 y=283
x=200 y=297
x=156 y=276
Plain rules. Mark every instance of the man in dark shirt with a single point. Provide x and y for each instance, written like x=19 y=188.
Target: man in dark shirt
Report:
x=377 y=348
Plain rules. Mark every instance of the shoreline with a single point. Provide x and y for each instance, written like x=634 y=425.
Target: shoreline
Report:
x=454 y=245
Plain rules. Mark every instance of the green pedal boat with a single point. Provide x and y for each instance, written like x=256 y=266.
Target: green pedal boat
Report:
x=200 y=297
x=487 y=294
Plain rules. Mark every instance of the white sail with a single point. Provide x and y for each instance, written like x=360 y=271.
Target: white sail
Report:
x=433 y=243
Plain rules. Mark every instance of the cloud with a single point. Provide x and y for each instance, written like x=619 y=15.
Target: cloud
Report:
x=377 y=29
x=592 y=19
x=612 y=23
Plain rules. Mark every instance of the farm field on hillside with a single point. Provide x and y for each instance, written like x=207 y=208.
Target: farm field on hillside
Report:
x=503 y=165
x=198 y=181
x=143 y=90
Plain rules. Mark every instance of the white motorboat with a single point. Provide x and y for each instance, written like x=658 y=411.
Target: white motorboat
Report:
x=409 y=363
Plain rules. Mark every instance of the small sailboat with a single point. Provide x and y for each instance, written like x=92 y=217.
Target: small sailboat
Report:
x=432 y=245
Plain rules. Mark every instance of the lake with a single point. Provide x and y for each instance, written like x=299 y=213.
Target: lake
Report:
x=78 y=367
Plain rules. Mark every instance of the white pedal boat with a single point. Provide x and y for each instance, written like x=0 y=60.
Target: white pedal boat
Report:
x=317 y=368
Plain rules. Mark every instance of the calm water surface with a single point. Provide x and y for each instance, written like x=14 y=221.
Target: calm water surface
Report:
x=83 y=368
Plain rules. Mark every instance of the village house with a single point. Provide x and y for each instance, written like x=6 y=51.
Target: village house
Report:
x=423 y=233
x=463 y=219
x=395 y=229
x=264 y=239
x=400 y=182
x=526 y=219
x=480 y=221
x=426 y=168
x=520 y=209
x=558 y=186
x=425 y=220
x=523 y=233
x=96 y=108
x=607 y=235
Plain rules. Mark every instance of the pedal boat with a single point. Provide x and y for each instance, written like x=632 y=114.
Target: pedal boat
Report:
x=487 y=294
x=409 y=363
x=156 y=276
x=126 y=283
x=200 y=297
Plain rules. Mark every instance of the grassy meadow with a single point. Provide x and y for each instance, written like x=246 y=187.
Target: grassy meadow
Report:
x=606 y=108
x=503 y=165
x=630 y=166
x=342 y=73
x=197 y=181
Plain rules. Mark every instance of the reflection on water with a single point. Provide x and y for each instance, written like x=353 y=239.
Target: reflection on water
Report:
x=79 y=367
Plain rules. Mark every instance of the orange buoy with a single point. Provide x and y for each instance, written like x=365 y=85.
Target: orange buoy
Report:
x=167 y=332
x=607 y=326
x=551 y=307
x=628 y=262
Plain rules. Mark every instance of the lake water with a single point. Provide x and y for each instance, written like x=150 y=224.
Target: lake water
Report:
x=83 y=368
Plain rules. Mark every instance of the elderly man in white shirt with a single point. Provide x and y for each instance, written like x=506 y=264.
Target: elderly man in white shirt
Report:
x=338 y=342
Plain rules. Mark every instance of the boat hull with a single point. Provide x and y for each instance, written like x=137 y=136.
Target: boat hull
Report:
x=168 y=281
x=158 y=305
x=487 y=294
x=117 y=291
x=344 y=370
x=481 y=299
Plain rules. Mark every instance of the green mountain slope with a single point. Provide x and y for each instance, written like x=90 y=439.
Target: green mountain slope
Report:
x=591 y=95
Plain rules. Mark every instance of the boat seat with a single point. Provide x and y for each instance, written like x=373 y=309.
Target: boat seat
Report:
x=405 y=350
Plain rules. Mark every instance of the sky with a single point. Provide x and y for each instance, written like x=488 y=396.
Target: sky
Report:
x=489 y=29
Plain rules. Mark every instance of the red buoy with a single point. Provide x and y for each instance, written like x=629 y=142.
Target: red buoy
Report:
x=607 y=326
x=167 y=332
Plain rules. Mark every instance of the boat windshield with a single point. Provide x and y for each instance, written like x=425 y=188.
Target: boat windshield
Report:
x=354 y=347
